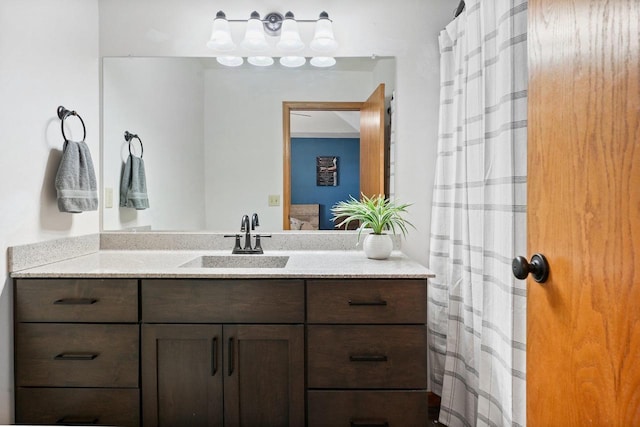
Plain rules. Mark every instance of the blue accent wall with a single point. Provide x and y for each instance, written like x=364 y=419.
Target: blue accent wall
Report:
x=303 y=173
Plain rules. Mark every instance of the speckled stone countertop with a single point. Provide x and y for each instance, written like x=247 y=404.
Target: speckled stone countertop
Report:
x=167 y=264
x=164 y=255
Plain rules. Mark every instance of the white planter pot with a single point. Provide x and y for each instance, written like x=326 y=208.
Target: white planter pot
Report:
x=377 y=246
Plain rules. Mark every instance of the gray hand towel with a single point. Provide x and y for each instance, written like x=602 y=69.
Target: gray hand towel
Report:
x=76 y=179
x=133 y=184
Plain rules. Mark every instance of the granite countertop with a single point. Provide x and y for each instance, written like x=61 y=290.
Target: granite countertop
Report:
x=167 y=264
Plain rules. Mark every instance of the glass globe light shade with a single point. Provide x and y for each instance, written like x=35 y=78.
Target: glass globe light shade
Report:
x=323 y=61
x=221 y=34
x=293 y=61
x=254 y=39
x=290 y=40
x=323 y=39
x=230 y=61
x=260 y=61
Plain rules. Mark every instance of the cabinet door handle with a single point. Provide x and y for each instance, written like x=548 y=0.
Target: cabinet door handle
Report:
x=378 y=302
x=230 y=356
x=77 y=421
x=368 y=358
x=76 y=301
x=214 y=356
x=76 y=356
x=369 y=423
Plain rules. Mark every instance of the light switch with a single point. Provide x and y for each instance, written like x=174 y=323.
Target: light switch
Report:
x=274 y=200
x=108 y=197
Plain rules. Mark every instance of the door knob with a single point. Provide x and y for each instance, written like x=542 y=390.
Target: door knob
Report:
x=538 y=267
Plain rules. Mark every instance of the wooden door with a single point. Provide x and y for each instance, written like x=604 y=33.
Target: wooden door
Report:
x=372 y=159
x=264 y=375
x=583 y=325
x=182 y=375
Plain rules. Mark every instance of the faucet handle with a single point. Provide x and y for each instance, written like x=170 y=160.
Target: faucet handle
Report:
x=258 y=247
x=236 y=247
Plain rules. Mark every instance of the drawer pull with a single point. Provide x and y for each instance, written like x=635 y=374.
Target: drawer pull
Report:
x=78 y=421
x=368 y=358
x=76 y=301
x=369 y=423
x=214 y=356
x=368 y=303
x=230 y=356
x=76 y=356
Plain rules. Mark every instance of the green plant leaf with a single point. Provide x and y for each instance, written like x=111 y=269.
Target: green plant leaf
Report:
x=376 y=212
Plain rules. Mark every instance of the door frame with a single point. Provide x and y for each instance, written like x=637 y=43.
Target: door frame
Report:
x=287 y=108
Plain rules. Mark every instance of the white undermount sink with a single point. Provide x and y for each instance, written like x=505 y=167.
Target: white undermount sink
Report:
x=237 y=261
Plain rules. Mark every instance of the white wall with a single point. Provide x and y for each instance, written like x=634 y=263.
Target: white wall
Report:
x=406 y=29
x=162 y=102
x=244 y=151
x=48 y=57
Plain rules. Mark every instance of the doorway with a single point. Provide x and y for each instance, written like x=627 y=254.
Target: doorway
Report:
x=372 y=143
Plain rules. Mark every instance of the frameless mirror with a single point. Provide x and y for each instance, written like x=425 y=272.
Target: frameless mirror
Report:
x=212 y=135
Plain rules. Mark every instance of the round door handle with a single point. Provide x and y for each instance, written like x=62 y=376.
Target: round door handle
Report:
x=538 y=267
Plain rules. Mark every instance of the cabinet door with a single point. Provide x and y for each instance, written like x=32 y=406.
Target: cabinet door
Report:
x=264 y=375
x=182 y=375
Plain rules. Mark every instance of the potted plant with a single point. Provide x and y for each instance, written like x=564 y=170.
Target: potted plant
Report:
x=376 y=213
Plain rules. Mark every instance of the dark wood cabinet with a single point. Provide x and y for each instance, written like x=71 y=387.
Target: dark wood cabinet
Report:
x=367 y=353
x=78 y=406
x=227 y=373
x=367 y=408
x=77 y=352
x=223 y=352
x=222 y=301
x=367 y=356
x=182 y=375
x=264 y=375
x=223 y=375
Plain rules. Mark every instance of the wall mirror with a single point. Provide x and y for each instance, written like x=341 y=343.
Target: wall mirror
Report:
x=212 y=135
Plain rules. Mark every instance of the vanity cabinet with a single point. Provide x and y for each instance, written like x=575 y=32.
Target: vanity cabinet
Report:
x=77 y=351
x=221 y=352
x=243 y=371
x=367 y=353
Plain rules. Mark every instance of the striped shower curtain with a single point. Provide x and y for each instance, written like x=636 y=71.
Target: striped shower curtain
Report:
x=477 y=310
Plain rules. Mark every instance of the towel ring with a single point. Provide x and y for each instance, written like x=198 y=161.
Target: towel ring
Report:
x=128 y=137
x=63 y=113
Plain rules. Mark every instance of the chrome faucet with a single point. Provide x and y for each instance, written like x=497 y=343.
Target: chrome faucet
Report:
x=246 y=226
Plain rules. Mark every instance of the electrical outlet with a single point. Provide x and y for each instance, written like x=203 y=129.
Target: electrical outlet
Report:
x=274 y=200
x=108 y=197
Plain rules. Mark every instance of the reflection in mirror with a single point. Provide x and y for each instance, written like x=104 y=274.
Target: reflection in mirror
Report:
x=212 y=136
x=325 y=165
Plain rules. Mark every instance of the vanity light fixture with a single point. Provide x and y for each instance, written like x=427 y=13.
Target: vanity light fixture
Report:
x=274 y=24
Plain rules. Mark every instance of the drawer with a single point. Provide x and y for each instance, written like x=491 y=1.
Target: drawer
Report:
x=76 y=355
x=76 y=300
x=367 y=408
x=390 y=357
x=367 y=301
x=78 y=406
x=222 y=301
